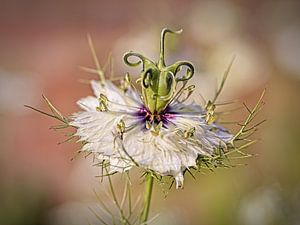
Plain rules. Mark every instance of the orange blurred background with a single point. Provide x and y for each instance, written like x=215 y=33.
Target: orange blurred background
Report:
x=42 y=45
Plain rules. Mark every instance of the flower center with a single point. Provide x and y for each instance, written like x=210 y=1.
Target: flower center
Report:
x=146 y=117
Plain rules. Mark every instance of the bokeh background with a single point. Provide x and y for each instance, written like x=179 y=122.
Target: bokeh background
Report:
x=42 y=45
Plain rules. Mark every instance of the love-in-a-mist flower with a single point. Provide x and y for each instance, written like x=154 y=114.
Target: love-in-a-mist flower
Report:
x=157 y=128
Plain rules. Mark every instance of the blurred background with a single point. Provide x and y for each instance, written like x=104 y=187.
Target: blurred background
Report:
x=42 y=45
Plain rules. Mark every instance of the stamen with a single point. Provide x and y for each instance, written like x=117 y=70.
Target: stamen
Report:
x=126 y=82
x=190 y=89
x=102 y=103
x=210 y=111
x=189 y=133
x=148 y=124
x=121 y=127
x=178 y=94
x=155 y=130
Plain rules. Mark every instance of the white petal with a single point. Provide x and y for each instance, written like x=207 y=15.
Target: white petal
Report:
x=89 y=103
x=135 y=96
x=209 y=135
x=98 y=130
x=179 y=180
x=95 y=128
x=116 y=164
x=118 y=100
x=164 y=154
x=109 y=89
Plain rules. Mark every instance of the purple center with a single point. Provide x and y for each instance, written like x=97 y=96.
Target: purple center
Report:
x=145 y=115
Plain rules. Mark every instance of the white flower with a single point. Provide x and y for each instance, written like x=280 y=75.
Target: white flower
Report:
x=169 y=151
x=154 y=130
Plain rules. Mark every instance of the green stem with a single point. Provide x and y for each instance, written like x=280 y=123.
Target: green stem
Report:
x=147 y=198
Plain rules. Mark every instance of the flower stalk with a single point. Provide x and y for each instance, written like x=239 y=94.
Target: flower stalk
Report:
x=147 y=199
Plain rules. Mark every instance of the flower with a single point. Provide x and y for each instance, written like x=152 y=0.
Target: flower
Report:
x=158 y=129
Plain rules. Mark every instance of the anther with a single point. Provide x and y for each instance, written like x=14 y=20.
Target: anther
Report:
x=103 y=102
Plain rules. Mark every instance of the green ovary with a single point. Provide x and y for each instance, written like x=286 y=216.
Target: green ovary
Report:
x=158 y=80
x=158 y=88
